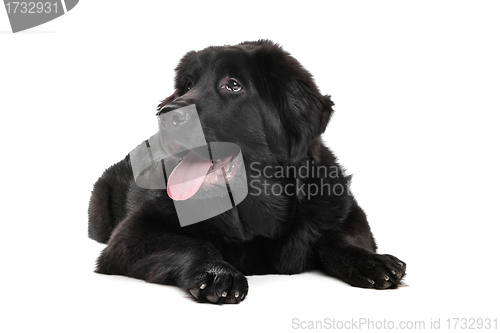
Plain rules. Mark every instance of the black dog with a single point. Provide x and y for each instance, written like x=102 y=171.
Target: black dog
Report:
x=298 y=215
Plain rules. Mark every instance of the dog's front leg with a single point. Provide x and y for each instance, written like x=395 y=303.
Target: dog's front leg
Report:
x=350 y=254
x=142 y=247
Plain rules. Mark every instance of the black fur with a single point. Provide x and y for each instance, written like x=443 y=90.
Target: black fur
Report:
x=277 y=120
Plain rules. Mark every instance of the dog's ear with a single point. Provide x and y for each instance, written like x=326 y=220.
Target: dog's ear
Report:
x=303 y=110
x=305 y=115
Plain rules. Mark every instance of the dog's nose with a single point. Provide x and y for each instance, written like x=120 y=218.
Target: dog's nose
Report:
x=173 y=115
x=176 y=118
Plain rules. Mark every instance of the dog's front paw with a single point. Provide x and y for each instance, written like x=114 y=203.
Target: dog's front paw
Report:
x=218 y=283
x=366 y=269
x=379 y=271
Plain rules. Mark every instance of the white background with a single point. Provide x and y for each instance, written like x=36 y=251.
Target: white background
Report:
x=416 y=87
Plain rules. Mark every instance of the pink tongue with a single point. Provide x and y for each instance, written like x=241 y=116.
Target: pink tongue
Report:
x=187 y=177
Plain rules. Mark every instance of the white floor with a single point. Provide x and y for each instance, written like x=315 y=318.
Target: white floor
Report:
x=52 y=287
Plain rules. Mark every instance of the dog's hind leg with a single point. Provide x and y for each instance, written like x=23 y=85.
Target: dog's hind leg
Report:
x=107 y=203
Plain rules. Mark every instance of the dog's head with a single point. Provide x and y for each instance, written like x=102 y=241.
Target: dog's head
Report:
x=254 y=95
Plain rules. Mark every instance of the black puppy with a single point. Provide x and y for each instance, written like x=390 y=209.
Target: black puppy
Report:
x=299 y=214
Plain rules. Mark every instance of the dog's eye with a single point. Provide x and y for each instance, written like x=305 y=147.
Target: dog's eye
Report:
x=233 y=85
